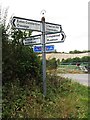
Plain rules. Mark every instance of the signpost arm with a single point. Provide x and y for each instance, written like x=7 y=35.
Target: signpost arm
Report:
x=43 y=56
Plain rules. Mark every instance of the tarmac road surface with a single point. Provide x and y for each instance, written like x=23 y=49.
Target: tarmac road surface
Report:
x=81 y=78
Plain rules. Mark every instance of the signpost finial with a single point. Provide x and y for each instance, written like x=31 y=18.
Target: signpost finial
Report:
x=43 y=15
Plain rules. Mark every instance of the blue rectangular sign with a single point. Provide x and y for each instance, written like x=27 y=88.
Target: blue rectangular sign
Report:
x=37 y=48
x=49 y=48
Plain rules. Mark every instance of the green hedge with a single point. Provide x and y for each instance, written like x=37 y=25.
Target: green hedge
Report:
x=76 y=60
x=20 y=62
x=52 y=63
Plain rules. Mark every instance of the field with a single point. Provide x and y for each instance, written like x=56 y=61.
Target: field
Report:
x=60 y=56
x=69 y=69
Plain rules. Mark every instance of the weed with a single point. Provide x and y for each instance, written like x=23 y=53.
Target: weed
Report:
x=64 y=99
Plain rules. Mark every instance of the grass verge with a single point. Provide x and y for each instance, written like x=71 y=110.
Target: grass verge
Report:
x=64 y=99
x=69 y=69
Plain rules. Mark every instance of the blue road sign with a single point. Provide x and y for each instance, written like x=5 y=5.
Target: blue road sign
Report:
x=49 y=48
x=37 y=48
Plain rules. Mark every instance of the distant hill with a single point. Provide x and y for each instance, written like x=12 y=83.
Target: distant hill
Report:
x=60 y=56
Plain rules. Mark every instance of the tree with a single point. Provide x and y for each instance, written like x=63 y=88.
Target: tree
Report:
x=19 y=61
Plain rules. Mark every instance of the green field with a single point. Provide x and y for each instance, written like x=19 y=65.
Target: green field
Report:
x=69 y=69
x=69 y=66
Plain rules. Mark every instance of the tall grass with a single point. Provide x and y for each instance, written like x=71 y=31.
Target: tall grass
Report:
x=64 y=99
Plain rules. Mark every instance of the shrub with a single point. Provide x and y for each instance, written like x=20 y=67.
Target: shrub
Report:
x=52 y=64
x=76 y=60
x=20 y=62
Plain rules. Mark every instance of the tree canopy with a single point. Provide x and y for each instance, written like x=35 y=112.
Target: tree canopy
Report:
x=19 y=62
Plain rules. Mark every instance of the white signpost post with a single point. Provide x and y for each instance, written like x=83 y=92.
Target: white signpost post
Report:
x=51 y=33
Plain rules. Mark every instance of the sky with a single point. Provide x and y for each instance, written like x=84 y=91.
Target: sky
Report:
x=71 y=14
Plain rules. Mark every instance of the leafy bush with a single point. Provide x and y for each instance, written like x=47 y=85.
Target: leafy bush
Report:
x=76 y=60
x=20 y=62
x=64 y=99
x=52 y=63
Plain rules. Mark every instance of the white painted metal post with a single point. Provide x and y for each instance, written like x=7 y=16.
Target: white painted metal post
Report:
x=43 y=56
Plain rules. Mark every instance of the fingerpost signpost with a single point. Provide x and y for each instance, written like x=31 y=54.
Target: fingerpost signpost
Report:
x=50 y=33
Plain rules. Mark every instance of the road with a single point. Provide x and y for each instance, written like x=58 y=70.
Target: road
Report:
x=81 y=78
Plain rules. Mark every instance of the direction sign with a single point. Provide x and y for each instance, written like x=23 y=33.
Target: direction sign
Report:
x=49 y=48
x=37 y=49
x=49 y=38
x=55 y=38
x=51 y=27
x=33 y=40
x=27 y=24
